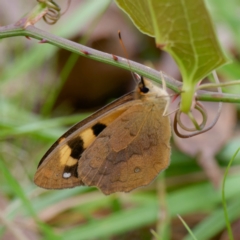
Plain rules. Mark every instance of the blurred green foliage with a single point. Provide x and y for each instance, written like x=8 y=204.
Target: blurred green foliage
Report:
x=85 y=213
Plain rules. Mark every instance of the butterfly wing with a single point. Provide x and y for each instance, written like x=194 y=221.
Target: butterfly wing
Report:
x=119 y=148
x=130 y=152
x=59 y=166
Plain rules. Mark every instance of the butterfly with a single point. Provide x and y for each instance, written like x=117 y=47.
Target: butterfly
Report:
x=123 y=146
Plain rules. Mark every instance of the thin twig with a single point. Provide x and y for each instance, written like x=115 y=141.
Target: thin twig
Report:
x=225 y=84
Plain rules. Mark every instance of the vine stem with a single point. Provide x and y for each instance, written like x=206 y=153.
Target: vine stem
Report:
x=33 y=32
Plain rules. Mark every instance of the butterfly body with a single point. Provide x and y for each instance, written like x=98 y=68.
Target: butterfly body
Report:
x=119 y=148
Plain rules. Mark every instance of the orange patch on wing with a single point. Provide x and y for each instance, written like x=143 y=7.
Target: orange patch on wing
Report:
x=71 y=161
x=64 y=154
x=88 y=137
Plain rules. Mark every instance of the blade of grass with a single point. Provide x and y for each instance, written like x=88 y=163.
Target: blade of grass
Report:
x=215 y=223
x=224 y=198
x=49 y=234
x=186 y=226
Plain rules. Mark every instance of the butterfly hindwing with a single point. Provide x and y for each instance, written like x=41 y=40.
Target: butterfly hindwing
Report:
x=129 y=153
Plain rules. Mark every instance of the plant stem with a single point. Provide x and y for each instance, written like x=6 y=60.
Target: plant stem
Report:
x=33 y=32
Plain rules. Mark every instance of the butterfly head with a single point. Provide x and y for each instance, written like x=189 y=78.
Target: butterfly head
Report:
x=147 y=89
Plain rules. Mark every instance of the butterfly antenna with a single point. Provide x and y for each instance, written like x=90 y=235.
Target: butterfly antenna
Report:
x=164 y=85
x=135 y=76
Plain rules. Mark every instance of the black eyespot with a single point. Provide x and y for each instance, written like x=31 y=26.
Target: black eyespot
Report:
x=70 y=171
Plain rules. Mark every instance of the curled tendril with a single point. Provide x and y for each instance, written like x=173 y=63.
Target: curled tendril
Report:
x=53 y=14
x=200 y=108
x=203 y=112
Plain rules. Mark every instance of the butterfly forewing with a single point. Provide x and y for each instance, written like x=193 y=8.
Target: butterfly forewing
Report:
x=59 y=166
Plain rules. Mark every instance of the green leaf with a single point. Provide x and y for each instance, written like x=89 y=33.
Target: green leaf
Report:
x=183 y=29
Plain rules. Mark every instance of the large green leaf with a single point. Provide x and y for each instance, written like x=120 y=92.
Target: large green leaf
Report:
x=184 y=29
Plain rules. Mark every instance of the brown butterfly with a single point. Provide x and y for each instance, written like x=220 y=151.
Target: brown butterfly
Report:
x=123 y=146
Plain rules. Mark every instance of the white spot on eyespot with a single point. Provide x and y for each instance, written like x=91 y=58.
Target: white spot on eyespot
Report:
x=66 y=175
x=137 y=170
